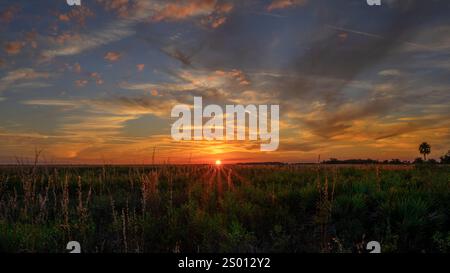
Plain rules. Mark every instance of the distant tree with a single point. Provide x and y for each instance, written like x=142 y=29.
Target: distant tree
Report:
x=425 y=149
x=395 y=161
x=333 y=161
x=418 y=160
x=446 y=158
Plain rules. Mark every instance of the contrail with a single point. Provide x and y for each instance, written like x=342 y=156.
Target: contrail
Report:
x=355 y=32
x=379 y=37
x=269 y=14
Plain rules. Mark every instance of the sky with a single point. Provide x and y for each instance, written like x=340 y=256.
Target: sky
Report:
x=96 y=83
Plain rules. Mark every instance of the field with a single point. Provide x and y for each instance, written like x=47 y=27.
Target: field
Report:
x=229 y=208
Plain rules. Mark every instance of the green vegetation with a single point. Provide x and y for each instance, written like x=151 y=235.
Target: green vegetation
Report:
x=201 y=208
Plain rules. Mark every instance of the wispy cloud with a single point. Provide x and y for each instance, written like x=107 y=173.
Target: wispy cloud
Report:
x=112 y=56
x=21 y=76
x=110 y=32
x=92 y=39
x=77 y=14
x=13 y=48
x=282 y=4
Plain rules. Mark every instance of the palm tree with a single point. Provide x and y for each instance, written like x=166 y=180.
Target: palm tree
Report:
x=425 y=149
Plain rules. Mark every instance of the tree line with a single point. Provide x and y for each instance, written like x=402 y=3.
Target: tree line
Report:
x=424 y=150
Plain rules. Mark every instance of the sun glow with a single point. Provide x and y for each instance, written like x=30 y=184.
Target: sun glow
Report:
x=218 y=162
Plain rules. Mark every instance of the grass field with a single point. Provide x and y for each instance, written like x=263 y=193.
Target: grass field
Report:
x=231 y=208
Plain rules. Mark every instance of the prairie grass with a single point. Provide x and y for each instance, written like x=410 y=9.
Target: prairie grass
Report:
x=232 y=208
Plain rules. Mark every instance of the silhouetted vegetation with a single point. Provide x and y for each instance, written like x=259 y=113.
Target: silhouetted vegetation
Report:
x=425 y=149
x=445 y=159
x=200 y=208
x=364 y=161
x=263 y=163
x=418 y=160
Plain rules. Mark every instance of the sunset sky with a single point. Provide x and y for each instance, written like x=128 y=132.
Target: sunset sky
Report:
x=96 y=83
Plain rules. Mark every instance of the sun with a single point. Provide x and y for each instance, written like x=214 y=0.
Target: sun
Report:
x=218 y=162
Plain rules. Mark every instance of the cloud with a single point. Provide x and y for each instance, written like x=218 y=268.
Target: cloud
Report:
x=282 y=4
x=133 y=13
x=8 y=14
x=20 y=75
x=96 y=37
x=140 y=67
x=112 y=106
x=134 y=106
x=212 y=12
x=112 y=56
x=31 y=38
x=219 y=16
x=77 y=14
x=214 y=21
x=66 y=37
x=182 y=10
x=390 y=73
x=236 y=74
x=224 y=7
x=77 y=68
x=154 y=92
x=23 y=74
x=93 y=39
x=100 y=122
x=218 y=22
x=338 y=87
x=432 y=40
x=51 y=102
x=197 y=81
x=81 y=83
x=64 y=17
x=32 y=85
x=123 y=8
x=96 y=77
x=13 y=48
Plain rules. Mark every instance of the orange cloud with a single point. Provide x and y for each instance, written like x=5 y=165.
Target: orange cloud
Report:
x=218 y=17
x=112 y=56
x=13 y=48
x=81 y=83
x=154 y=92
x=66 y=37
x=77 y=14
x=214 y=22
x=120 y=7
x=224 y=8
x=179 y=11
x=218 y=22
x=64 y=17
x=8 y=14
x=343 y=36
x=235 y=74
x=140 y=67
x=282 y=4
x=96 y=76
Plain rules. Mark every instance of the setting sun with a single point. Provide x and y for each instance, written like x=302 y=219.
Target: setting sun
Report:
x=218 y=162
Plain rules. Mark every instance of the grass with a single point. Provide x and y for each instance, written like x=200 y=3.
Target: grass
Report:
x=202 y=208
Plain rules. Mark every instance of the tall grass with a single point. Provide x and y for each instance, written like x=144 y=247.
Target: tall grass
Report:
x=202 y=208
